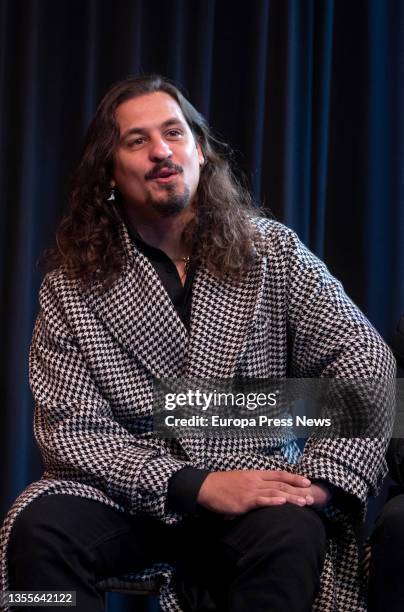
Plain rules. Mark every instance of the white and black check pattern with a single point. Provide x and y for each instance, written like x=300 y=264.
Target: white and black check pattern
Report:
x=94 y=356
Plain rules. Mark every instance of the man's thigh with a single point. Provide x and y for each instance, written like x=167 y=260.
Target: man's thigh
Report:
x=115 y=542
x=211 y=535
x=273 y=526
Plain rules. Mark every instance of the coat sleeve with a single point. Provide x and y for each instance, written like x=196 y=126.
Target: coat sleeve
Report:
x=330 y=337
x=75 y=429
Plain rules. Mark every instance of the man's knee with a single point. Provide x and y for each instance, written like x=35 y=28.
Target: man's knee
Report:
x=39 y=527
x=63 y=523
x=84 y=533
x=298 y=530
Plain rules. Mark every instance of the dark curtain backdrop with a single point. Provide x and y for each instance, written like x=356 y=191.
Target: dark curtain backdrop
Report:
x=307 y=92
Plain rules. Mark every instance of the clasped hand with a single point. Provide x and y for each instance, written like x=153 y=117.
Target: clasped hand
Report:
x=236 y=492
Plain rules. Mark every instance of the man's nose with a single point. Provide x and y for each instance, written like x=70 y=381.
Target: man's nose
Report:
x=159 y=149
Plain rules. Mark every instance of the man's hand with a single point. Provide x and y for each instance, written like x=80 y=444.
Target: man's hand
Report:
x=237 y=492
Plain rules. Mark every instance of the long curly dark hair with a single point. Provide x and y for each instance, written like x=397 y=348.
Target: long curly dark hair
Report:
x=88 y=243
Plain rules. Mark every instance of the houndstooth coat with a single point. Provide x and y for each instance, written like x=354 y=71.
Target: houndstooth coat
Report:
x=94 y=356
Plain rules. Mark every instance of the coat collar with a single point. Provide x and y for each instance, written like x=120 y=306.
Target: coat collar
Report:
x=140 y=315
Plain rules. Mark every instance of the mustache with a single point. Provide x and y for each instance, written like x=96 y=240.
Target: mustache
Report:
x=154 y=172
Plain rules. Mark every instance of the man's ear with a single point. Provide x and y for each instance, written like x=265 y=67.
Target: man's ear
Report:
x=201 y=156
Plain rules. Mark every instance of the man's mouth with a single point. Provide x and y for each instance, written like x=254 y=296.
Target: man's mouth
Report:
x=165 y=174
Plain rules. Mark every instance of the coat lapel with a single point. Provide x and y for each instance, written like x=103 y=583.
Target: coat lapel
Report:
x=140 y=315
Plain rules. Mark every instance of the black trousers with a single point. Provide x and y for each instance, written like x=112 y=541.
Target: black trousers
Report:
x=269 y=559
x=386 y=580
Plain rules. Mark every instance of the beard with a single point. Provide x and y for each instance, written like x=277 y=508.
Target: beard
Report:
x=173 y=203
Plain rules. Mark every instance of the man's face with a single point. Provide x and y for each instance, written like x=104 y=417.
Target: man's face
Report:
x=157 y=161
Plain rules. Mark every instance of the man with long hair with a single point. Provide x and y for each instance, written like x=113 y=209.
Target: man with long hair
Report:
x=163 y=268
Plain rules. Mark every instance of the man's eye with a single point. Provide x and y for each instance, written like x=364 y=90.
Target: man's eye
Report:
x=174 y=133
x=137 y=142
